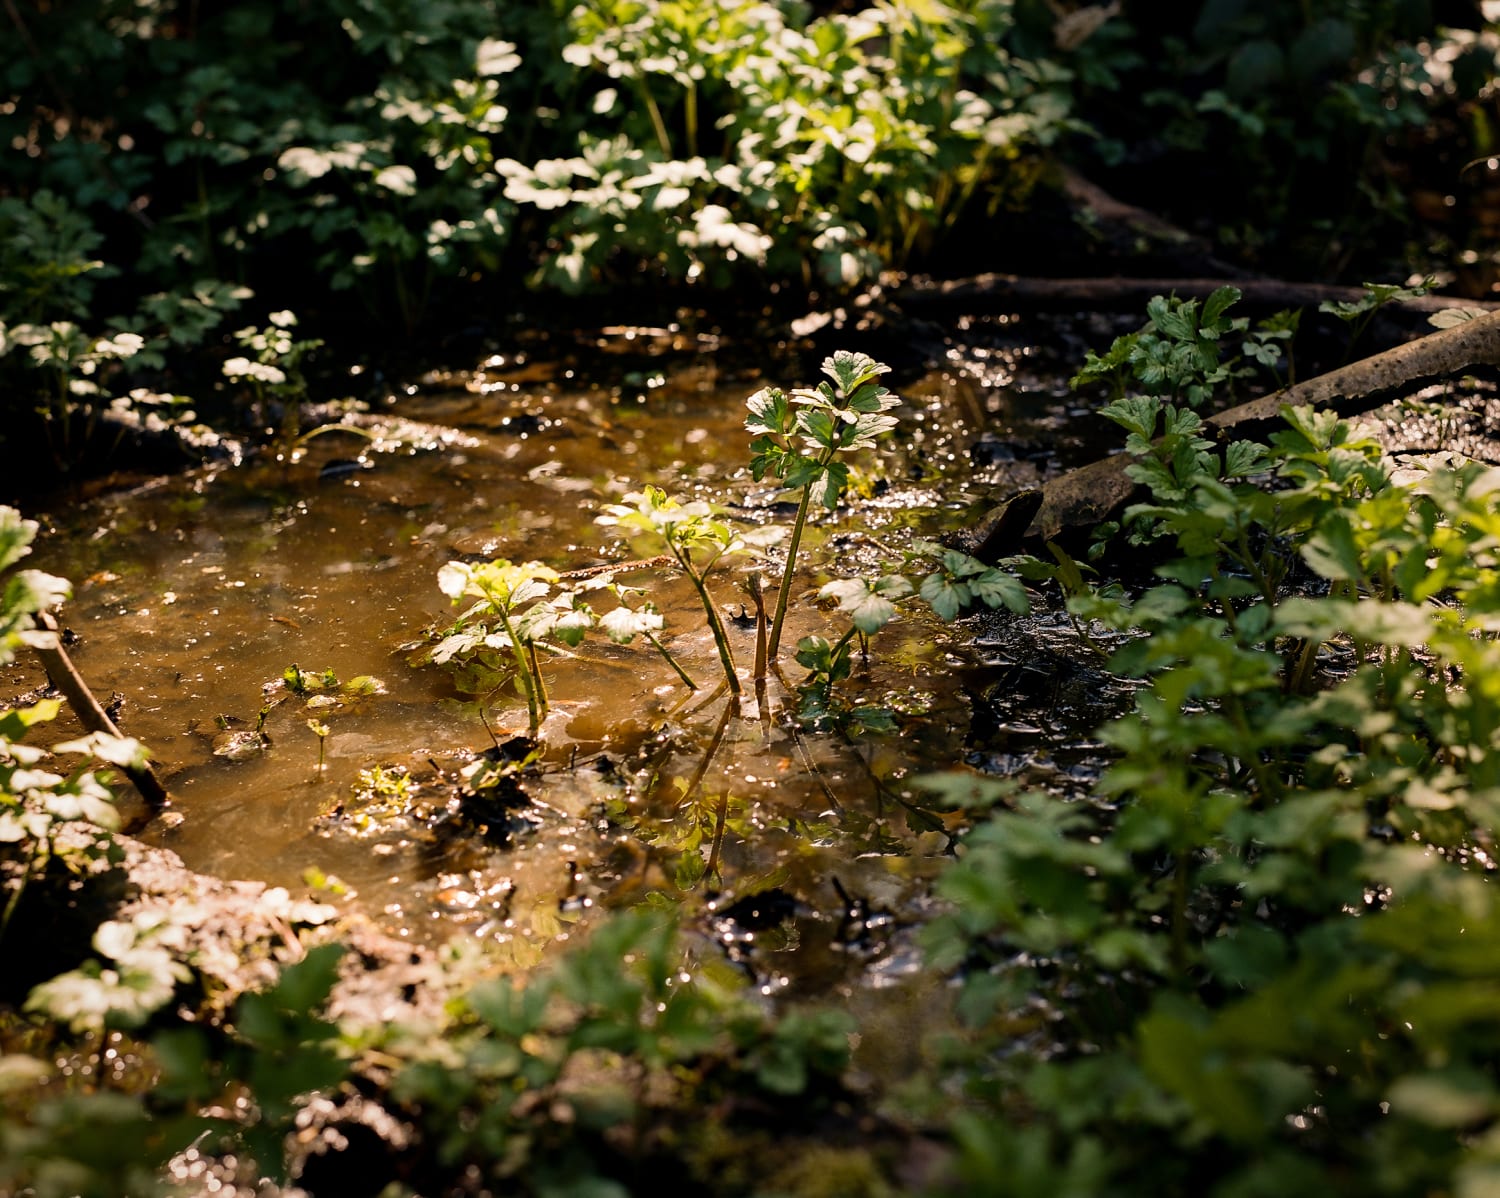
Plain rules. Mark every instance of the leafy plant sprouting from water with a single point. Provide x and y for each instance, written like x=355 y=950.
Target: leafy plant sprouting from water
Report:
x=952 y=582
x=321 y=731
x=275 y=369
x=698 y=540
x=626 y=621
x=515 y=610
x=801 y=437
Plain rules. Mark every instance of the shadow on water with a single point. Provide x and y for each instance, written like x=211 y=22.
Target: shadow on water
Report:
x=804 y=852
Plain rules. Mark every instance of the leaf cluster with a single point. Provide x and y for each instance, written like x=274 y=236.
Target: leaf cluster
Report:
x=1254 y=924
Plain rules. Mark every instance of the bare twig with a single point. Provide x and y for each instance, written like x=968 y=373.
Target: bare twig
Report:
x=65 y=676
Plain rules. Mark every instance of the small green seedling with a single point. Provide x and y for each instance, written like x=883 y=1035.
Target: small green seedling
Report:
x=1358 y=314
x=624 y=623
x=275 y=370
x=321 y=731
x=698 y=540
x=802 y=435
x=513 y=613
x=953 y=582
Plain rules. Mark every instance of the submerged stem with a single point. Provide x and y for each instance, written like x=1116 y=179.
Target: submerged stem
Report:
x=715 y=624
x=671 y=661
x=784 y=593
x=536 y=676
x=730 y=709
x=534 y=710
x=721 y=635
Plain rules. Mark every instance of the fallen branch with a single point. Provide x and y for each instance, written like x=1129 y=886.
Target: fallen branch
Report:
x=1083 y=498
x=65 y=676
x=998 y=292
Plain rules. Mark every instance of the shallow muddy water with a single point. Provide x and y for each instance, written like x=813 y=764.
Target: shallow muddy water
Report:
x=195 y=595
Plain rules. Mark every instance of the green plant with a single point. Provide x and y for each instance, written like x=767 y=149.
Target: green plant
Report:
x=1288 y=115
x=697 y=541
x=843 y=415
x=655 y=1039
x=1243 y=926
x=321 y=731
x=511 y=615
x=953 y=583
x=48 y=267
x=276 y=369
x=1175 y=355
x=1359 y=313
x=623 y=623
x=46 y=818
x=746 y=134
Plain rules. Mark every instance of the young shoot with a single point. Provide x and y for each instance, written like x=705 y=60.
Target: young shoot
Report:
x=623 y=624
x=511 y=615
x=697 y=540
x=321 y=731
x=953 y=582
x=802 y=435
x=272 y=368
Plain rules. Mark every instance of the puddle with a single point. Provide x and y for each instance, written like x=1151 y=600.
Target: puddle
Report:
x=195 y=595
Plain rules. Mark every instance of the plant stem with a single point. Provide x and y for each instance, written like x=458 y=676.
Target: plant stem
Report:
x=656 y=122
x=536 y=676
x=784 y=593
x=716 y=626
x=672 y=661
x=720 y=818
x=534 y=711
x=758 y=594
x=730 y=708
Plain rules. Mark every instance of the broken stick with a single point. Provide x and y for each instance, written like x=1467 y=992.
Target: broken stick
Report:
x=1083 y=498
x=65 y=676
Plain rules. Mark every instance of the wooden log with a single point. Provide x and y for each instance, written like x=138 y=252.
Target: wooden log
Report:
x=1003 y=292
x=1080 y=499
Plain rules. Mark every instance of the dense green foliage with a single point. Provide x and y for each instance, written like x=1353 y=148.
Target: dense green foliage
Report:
x=381 y=165
x=1253 y=959
x=1294 y=133
x=1259 y=950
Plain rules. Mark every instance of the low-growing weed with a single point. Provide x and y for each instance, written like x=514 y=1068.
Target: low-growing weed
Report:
x=1239 y=961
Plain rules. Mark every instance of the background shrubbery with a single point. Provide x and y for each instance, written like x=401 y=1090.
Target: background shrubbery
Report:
x=387 y=167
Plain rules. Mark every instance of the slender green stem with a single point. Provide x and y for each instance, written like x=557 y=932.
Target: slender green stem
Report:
x=657 y=123
x=672 y=661
x=784 y=594
x=716 y=626
x=534 y=714
x=536 y=676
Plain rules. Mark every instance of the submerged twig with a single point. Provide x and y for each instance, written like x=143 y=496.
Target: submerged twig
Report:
x=65 y=676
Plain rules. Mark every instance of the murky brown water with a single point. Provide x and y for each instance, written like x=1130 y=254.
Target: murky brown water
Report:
x=194 y=594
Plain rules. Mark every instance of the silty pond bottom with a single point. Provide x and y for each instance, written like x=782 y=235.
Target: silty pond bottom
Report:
x=195 y=596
